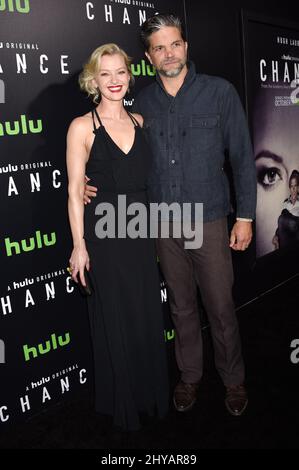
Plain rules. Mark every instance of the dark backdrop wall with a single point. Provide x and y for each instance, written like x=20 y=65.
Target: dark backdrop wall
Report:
x=215 y=45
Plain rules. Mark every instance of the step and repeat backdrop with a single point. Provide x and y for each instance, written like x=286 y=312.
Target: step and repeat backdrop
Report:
x=45 y=352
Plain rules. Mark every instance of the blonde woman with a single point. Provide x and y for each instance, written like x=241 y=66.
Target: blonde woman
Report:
x=108 y=145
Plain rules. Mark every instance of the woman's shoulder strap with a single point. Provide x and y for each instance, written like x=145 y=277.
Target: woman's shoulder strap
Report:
x=133 y=119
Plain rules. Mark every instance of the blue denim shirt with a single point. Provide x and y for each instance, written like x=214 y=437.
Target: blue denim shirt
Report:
x=189 y=134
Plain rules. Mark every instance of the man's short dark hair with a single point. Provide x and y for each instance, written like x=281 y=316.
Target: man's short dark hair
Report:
x=155 y=23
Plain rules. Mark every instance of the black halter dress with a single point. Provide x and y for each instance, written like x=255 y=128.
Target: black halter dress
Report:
x=125 y=311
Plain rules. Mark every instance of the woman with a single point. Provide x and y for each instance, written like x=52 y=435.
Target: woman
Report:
x=125 y=307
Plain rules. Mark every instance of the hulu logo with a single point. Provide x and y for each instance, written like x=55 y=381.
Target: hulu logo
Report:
x=44 y=348
x=169 y=335
x=2 y=92
x=2 y=352
x=21 y=127
x=15 y=5
x=143 y=69
x=39 y=241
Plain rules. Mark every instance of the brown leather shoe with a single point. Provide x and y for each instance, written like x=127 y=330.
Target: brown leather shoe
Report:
x=184 y=396
x=236 y=399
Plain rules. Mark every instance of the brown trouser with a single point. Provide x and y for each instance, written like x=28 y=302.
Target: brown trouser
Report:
x=209 y=267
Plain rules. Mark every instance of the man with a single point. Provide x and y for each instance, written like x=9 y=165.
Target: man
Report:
x=191 y=120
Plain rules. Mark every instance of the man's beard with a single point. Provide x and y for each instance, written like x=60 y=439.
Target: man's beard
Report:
x=174 y=72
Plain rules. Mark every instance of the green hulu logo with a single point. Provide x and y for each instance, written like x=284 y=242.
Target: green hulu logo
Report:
x=39 y=241
x=31 y=352
x=143 y=69
x=169 y=335
x=21 y=127
x=21 y=6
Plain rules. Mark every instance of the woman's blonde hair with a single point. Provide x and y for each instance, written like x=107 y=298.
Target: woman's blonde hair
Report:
x=92 y=67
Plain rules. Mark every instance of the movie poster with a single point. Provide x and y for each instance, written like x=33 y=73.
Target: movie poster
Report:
x=272 y=91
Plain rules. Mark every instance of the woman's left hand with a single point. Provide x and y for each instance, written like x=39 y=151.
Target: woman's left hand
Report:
x=79 y=260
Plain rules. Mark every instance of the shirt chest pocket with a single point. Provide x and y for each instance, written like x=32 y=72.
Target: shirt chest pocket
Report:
x=155 y=129
x=156 y=135
x=205 y=132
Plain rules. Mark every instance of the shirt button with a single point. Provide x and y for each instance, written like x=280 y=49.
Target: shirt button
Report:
x=171 y=110
x=173 y=162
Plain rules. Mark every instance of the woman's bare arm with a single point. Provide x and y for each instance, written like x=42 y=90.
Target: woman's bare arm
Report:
x=76 y=158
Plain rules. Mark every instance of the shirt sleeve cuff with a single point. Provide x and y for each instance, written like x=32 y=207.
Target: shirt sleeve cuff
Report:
x=243 y=219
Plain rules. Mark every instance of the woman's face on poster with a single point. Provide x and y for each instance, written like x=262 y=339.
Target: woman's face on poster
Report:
x=276 y=148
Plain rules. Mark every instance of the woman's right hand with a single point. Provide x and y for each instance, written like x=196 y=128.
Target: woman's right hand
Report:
x=78 y=261
x=89 y=191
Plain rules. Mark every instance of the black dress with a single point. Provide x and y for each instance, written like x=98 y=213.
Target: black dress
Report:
x=125 y=311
